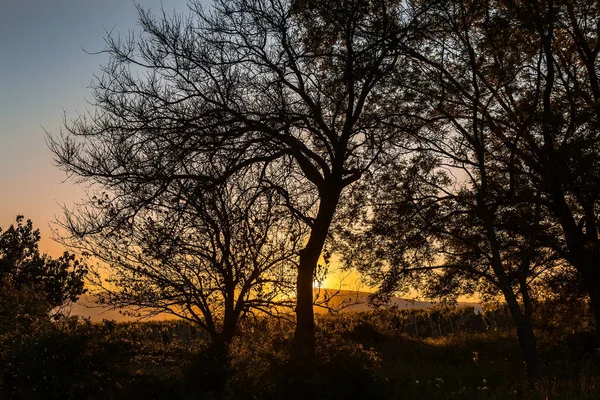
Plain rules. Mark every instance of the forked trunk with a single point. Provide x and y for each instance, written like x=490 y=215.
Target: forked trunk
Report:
x=526 y=338
x=522 y=319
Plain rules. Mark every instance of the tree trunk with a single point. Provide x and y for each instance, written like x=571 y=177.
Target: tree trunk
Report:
x=528 y=346
x=231 y=315
x=212 y=367
x=523 y=320
x=305 y=319
x=589 y=271
x=226 y=335
x=526 y=339
x=583 y=261
x=581 y=257
x=304 y=335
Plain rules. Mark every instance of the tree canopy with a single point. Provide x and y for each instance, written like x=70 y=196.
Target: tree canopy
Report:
x=502 y=182
x=211 y=258
x=304 y=89
x=59 y=281
x=458 y=137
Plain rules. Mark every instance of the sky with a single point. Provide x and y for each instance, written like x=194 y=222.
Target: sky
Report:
x=45 y=73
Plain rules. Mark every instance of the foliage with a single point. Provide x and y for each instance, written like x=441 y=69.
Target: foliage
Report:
x=502 y=182
x=461 y=135
x=23 y=267
x=34 y=286
x=23 y=311
x=374 y=354
x=77 y=359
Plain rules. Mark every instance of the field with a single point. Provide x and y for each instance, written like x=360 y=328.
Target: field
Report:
x=389 y=354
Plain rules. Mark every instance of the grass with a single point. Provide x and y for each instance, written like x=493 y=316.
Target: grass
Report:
x=371 y=355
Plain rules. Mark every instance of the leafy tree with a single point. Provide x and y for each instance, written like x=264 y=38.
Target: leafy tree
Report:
x=469 y=213
x=561 y=141
x=57 y=282
x=303 y=88
x=505 y=99
x=427 y=233
x=536 y=91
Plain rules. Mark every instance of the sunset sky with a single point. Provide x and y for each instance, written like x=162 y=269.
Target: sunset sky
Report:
x=44 y=72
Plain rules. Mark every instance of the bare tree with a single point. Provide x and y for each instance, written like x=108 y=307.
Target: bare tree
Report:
x=304 y=87
x=208 y=257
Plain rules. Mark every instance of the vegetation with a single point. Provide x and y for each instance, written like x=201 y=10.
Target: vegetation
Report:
x=292 y=88
x=210 y=258
x=457 y=355
x=450 y=147
x=34 y=285
x=484 y=204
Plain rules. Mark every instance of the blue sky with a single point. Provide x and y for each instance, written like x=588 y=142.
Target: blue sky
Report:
x=45 y=72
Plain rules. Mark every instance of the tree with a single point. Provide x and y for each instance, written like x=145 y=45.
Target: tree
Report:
x=469 y=213
x=561 y=140
x=303 y=87
x=514 y=104
x=22 y=268
x=210 y=258
x=425 y=231
x=537 y=64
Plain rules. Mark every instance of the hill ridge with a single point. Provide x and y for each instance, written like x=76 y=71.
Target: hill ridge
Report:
x=342 y=300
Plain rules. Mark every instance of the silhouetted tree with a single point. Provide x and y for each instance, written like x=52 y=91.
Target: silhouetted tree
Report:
x=536 y=91
x=59 y=281
x=425 y=232
x=561 y=139
x=209 y=257
x=472 y=204
x=525 y=73
x=303 y=87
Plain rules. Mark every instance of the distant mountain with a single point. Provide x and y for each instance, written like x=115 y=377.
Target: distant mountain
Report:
x=88 y=307
x=326 y=299
x=353 y=300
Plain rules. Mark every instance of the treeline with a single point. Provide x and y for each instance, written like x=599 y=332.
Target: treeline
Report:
x=447 y=146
